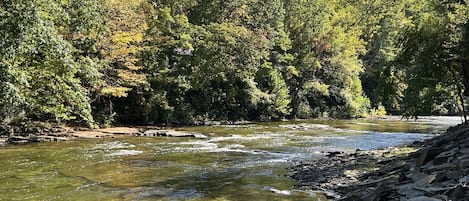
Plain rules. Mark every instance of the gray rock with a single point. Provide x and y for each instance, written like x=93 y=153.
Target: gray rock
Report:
x=444 y=156
x=428 y=154
x=464 y=180
x=463 y=164
x=442 y=167
x=421 y=158
x=457 y=193
x=464 y=151
x=425 y=181
x=453 y=174
x=423 y=198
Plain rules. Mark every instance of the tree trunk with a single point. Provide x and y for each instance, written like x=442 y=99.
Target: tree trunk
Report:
x=460 y=92
x=295 y=103
x=465 y=72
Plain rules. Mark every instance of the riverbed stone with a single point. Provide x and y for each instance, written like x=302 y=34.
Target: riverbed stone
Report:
x=438 y=171
x=428 y=154
x=464 y=164
x=423 y=198
x=425 y=180
x=444 y=156
x=464 y=151
x=172 y=133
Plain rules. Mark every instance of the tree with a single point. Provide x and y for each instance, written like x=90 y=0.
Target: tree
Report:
x=324 y=76
x=214 y=66
x=434 y=54
x=383 y=23
x=40 y=68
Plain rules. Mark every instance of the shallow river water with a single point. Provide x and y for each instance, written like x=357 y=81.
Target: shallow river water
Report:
x=239 y=162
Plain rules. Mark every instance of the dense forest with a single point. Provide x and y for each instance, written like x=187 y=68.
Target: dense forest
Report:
x=99 y=62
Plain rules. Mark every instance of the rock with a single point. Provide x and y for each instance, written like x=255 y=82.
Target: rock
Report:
x=334 y=153
x=409 y=190
x=18 y=140
x=423 y=198
x=172 y=133
x=464 y=180
x=460 y=131
x=464 y=164
x=421 y=158
x=457 y=193
x=44 y=138
x=443 y=167
x=453 y=174
x=427 y=155
x=444 y=156
x=152 y=133
x=119 y=131
x=464 y=151
x=374 y=193
x=90 y=134
x=432 y=190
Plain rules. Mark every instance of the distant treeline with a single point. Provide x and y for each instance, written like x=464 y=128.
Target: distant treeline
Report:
x=98 y=62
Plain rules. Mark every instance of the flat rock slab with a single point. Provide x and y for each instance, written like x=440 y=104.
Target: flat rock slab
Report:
x=91 y=134
x=46 y=138
x=84 y=133
x=423 y=198
x=120 y=131
x=171 y=133
x=18 y=140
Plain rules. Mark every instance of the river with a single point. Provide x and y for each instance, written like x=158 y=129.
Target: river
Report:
x=236 y=162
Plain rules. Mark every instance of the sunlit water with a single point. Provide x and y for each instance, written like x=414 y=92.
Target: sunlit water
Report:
x=242 y=162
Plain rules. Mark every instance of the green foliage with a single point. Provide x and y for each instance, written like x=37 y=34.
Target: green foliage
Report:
x=186 y=61
x=40 y=80
x=378 y=112
x=275 y=103
x=326 y=65
x=431 y=58
x=383 y=81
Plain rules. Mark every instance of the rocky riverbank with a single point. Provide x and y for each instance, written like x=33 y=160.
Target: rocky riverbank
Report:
x=24 y=135
x=433 y=170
